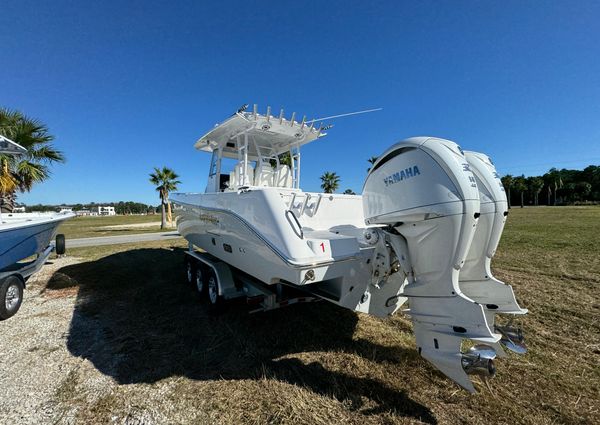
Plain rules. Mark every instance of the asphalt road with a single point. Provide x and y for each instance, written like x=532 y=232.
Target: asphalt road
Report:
x=115 y=240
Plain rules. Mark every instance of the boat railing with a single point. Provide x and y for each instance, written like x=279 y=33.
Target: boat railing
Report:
x=295 y=224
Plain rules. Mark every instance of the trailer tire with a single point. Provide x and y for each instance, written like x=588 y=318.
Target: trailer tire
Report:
x=11 y=296
x=200 y=279
x=213 y=289
x=61 y=246
x=189 y=270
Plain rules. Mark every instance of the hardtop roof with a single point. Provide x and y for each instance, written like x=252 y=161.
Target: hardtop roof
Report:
x=273 y=135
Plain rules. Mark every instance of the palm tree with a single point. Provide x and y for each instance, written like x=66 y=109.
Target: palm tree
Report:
x=23 y=172
x=372 y=161
x=535 y=186
x=520 y=185
x=349 y=192
x=7 y=182
x=558 y=182
x=331 y=182
x=553 y=179
x=165 y=181
x=507 y=182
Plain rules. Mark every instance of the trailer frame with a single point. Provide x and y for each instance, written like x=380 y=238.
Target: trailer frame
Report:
x=22 y=271
x=234 y=284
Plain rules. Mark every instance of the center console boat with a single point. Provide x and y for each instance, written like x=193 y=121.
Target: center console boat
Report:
x=420 y=237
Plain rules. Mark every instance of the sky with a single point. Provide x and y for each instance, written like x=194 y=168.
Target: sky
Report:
x=125 y=86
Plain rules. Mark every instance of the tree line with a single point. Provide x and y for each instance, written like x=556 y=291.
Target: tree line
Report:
x=556 y=187
x=121 y=207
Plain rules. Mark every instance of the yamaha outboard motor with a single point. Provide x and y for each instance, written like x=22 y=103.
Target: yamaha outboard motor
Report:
x=476 y=279
x=425 y=194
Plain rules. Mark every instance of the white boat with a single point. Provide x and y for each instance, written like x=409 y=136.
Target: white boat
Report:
x=22 y=235
x=25 y=234
x=424 y=231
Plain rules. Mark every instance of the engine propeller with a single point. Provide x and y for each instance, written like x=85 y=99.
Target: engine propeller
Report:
x=479 y=360
x=512 y=338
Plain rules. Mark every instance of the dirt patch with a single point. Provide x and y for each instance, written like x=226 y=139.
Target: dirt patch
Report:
x=131 y=226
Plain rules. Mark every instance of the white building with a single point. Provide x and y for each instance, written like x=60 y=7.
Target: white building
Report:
x=102 y=210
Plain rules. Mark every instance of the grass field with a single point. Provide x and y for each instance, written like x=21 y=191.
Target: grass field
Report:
x=88 y=226
x=171 y=361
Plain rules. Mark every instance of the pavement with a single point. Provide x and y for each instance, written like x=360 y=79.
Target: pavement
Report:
x=116 y=240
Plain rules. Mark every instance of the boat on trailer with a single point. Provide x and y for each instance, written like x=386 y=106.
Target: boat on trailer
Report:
x=421 y=235
x=23 y=235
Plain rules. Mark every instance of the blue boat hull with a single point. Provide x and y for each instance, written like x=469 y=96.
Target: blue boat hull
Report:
x=24 y=241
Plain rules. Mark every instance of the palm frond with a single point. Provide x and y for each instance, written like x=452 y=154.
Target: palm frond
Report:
x=8 y=183
x=330 y=182
x=165 y=181
x=28 y=173
x=46 y=153
x=34 y=136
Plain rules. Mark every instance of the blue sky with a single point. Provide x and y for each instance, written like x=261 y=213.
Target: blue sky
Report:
x=129 y=85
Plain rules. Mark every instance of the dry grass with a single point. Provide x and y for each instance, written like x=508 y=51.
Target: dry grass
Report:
x=170 y=361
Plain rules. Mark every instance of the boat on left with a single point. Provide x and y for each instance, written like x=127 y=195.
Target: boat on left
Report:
x=23 y=237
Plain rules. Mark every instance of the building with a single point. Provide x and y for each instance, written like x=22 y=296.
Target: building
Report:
x=18 y=209
x=102 y=210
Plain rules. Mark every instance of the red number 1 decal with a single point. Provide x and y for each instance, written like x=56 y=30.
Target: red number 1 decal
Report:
x=322 y=246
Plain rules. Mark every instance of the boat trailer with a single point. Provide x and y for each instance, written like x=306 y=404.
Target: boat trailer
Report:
x=14 y=278
x=218 y=282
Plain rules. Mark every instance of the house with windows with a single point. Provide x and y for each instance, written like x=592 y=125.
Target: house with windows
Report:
x=103 y=210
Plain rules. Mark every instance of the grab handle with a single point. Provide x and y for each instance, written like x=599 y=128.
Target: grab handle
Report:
x=299 y=232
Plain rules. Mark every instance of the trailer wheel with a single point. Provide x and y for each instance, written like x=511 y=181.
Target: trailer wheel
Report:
x=189 y=269
x=200 y=279
x=213 y=289
x=60 y=244
x=11 y=296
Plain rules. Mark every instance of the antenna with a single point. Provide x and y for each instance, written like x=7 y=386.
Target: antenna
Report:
x=345 y=115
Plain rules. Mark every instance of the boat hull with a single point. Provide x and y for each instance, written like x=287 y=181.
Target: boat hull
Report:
x=249 y=232
x=230 y=237
x=20 y=239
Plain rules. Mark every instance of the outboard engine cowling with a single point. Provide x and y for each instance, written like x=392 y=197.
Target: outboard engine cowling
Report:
x=423 y=190
x=476 y=279
x=493 y=209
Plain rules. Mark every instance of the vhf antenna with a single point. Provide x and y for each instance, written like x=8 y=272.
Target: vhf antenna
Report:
x=344 y=115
